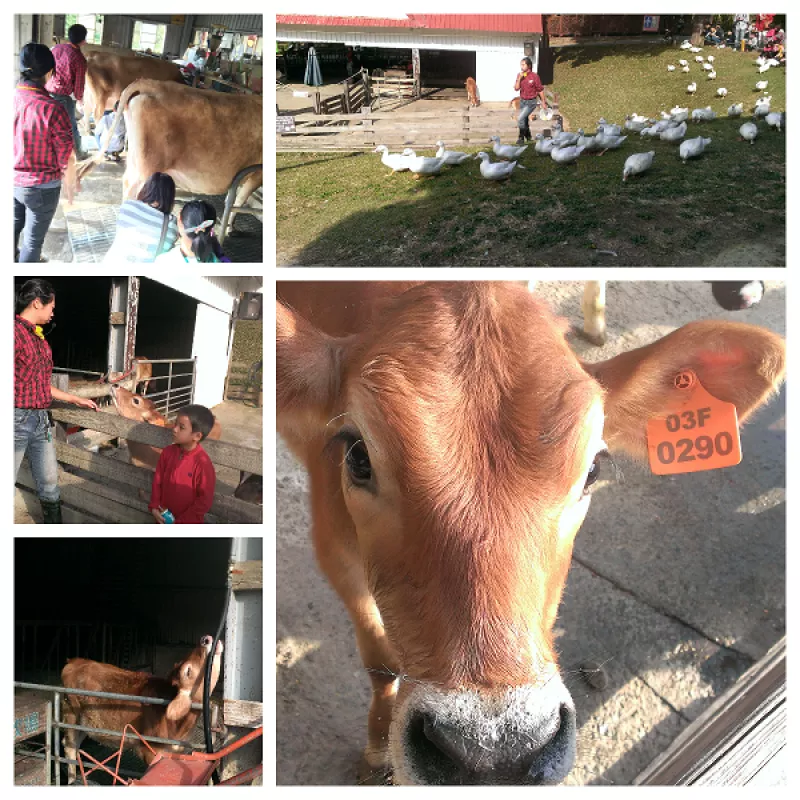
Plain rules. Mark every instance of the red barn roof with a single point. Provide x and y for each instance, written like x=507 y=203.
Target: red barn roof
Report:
x=505 y=23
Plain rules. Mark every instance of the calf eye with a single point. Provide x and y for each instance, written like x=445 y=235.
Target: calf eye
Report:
x=594 y=472
x=357 y=462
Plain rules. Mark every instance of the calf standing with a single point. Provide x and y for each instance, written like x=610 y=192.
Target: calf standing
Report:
x=182 y=687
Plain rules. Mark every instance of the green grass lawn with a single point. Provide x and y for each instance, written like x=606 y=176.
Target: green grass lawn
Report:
x=727 y=207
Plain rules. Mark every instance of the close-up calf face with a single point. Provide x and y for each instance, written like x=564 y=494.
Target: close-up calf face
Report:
x=467 y=445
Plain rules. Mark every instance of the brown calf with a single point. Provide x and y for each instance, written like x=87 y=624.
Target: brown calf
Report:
x=472 y=92
x=182 y=687
x=452 y=439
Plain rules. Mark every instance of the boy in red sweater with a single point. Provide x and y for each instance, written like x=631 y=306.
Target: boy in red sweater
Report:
x=185 y=478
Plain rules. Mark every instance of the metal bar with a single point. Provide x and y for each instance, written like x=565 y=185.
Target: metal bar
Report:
x=165 y=360
x=79 y=371
x=57 y=748
x=244 y=777
x=194 y=379
x=154 y=701
x=107 y=732
x=169 y=389
x=232 y=747
x=48 y=742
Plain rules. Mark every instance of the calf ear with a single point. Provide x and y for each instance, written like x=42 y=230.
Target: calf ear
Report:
x=738 y=363
x=179 y=707
x=307 y=364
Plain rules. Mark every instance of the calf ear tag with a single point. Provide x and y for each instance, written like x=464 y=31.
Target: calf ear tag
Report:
x=701 y=432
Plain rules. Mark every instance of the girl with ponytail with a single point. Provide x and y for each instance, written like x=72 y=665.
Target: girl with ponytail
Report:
x=197 y=242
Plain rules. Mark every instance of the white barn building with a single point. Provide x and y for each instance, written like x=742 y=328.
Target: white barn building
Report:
x=487 y=47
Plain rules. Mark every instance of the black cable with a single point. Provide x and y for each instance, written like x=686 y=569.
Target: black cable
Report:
x=207 y=684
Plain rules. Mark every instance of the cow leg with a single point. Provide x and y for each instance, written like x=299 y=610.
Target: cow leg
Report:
x=340 y=560
x=594 y=312
x=246 y=188
x=72 y=740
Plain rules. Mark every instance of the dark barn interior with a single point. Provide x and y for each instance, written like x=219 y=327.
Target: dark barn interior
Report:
x=79 y=337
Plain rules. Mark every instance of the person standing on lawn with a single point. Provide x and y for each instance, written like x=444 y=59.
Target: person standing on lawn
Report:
x=70 y=77
x=531 y=91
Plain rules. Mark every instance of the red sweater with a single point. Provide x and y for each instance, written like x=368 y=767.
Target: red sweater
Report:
x=530 y=86
x=184 y=483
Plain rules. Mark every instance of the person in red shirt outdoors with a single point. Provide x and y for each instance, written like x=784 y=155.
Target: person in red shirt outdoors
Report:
x=33 y=394
x=43 y=153
x=70 y=77
x=185 y=479
x=531 y=92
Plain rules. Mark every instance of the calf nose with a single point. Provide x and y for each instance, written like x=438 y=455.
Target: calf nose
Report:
x=448 y=753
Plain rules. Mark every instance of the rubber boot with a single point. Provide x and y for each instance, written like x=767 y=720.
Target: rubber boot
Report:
x=51 y=511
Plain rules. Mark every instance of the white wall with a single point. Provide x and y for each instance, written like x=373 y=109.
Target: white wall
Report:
x=496 y=72
x=210 y=345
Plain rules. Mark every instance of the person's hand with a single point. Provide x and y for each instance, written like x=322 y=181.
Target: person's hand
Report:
x=157 y=514
x=85 y=402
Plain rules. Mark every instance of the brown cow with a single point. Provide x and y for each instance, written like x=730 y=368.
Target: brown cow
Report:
x=182 y=687
x=452 y=439
x=140 y=409
x=108 y=74
x=200 y=137
x=144 y=374
x=472 y=92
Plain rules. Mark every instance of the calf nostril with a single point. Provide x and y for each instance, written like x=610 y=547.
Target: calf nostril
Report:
x=436 y=748
x=552 y=763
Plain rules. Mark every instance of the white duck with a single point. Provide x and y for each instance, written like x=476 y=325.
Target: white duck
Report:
x=674 y=134
x=763 y=68
x=712 y=75
x=609 y=141
x=749 y=131
x=686 y=45
x=761 y=86
x=760 y=61
x=567 y=139
x=425 y=165
x=695 y=49
x=451 y=156
x=711 y=59
x=543 y=145
x=708 y=67
x=762 y=106
x=692 y=148
x=507 y=150
x=566 y=155
x=773 y=62
x=678 y=114
x=698 y=59
x=683 y=62
x=703 y=114
x=691 y=88
x=497 y=171
x=722 y=91
x=608 y=128
x=685 y=69
x=636 y=123
x=776 y=119
x=397 y=162
x=588 y=143
x=736 y=110
x=670 y=68
x=637 y=164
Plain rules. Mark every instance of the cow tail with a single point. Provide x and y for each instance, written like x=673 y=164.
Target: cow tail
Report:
x=85 y=167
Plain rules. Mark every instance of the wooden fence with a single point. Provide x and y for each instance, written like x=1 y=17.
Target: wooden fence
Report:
x=467 y=126
x=355 y=95
x=97 y=487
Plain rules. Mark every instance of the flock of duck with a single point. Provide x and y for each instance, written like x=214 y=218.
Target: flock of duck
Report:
x=565 y=147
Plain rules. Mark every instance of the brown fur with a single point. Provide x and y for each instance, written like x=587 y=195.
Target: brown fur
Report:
x=480 y=425
x=472 y=92
x=174 y=721
x=108 y=74
x=178 y=130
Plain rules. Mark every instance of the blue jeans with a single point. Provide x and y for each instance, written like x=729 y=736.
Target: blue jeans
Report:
x=741 y=32
x=525 y=109
x=34 y=209
x=69 y=104
x=32 y=436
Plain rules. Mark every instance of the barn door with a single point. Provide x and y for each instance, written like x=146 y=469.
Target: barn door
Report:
x=210 y=346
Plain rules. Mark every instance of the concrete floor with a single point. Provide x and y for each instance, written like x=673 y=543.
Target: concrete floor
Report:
x=103 y=187
x=677 y=583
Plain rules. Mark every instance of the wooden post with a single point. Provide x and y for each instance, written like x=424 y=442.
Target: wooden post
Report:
x=415 y=70
x=365 y=81
x=465 y=126
x=317 y=109
x=346 y=99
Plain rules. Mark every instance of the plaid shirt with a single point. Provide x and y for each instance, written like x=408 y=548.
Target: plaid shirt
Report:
x=70 y=73
x=42 y=136
x=33 y=366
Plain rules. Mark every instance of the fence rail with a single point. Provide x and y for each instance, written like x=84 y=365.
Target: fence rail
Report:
x=96 y=493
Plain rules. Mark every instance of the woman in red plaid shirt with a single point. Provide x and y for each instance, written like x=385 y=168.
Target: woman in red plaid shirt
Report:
x=33 y=394
x=43 y=152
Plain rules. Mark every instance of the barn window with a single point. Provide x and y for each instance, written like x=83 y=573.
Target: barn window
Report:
x=149 y=35
x=92 y=22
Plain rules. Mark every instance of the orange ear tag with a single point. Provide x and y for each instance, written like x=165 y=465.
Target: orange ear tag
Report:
x=702 y=432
